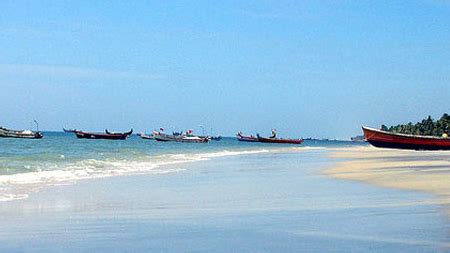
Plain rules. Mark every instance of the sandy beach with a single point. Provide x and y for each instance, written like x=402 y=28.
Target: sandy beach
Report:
x=263 y=202
x=425 y=171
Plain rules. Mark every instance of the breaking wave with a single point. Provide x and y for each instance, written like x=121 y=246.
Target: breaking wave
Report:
x=18 y=186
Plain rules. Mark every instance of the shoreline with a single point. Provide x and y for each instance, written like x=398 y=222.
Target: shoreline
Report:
x=422 y=171
x=18 y=186
x=273 y=202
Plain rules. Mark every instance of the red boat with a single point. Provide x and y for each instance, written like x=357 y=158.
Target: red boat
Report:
x=383 y=139
x=279 y=140
x=104 y=136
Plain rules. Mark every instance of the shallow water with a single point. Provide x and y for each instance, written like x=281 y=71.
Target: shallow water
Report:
x=29 y=165
x=262 y=202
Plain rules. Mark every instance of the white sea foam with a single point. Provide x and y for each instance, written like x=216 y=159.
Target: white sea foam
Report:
x=18 y=186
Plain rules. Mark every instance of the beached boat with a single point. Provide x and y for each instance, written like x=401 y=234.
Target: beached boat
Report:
x=24 y=134
x=279 y=140
x=104 y=136
x=384 y=139
x=250 y=138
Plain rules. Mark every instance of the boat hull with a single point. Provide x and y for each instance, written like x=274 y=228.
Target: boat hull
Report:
x=8 y=133
x=247 y=139
x=84 y=135
x=39 y=136
x=164 y=138
x=193 y=139
x=69 y=130
x=147 y=137
x=280 y=141
x=383 y=139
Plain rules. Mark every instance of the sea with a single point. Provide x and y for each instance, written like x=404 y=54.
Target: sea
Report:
x=63 y=194
x=61 y=158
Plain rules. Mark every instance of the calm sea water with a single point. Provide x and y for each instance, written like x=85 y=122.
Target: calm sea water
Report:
x=27 y=165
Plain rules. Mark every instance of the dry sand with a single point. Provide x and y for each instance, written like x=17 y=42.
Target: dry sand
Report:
x=426 y=171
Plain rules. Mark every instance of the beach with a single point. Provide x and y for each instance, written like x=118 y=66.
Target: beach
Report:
x=269 y=201
x=424 y=171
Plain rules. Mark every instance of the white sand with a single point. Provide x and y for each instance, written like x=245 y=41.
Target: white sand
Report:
x=426 y=171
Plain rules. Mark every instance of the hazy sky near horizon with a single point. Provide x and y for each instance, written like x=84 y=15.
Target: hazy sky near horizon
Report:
x=307 y=68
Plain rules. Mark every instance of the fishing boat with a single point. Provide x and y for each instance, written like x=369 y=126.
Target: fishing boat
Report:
x=279 y=140
x=105 y=136
x=146 y=137
x=179 y=137
x=250 y=138
x=215 y=138
x=194 y=139
x=384 y=139
x=165 y=137
x=69 y=130
x=24 y=134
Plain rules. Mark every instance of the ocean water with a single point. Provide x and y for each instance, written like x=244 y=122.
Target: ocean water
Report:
x=61 y=158
x=145 y=196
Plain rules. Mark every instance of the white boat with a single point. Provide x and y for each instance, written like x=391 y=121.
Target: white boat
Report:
x=193 y=139
x=25 y=134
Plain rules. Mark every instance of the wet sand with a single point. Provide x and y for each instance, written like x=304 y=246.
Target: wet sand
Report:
x=425 y=171
x=265 y=202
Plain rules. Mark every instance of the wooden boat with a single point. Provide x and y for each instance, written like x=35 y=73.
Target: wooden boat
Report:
x=384 y=139
x=279 y=140
x=251 y=138
x=24 y=134
x=114 y=133
x=192 y=139
x=104 y=136
x=69 y=130
x=165 y=137
x=215 y=138
x=146 y=137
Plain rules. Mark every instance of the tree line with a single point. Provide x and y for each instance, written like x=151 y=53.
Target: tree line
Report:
x=427 y=126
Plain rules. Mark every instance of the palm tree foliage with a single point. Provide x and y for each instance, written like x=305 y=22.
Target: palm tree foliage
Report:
x=425 y=127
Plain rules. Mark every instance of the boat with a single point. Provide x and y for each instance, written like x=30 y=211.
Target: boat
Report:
x=104 y=136
x=384 y=139
x=180 y=137
x=279 y=140
x=359 y=138
x=215 y=138
x=24 y=134
x=164 y=137
x=194 y=139
x=114 y=133
x=250 y=138
x=146 y=137
x=69 y=130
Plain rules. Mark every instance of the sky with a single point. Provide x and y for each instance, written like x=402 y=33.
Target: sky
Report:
x=307 y=68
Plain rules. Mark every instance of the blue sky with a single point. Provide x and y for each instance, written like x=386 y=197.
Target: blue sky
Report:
x=307 y=68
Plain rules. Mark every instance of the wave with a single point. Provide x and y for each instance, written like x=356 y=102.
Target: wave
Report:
x=18 y=186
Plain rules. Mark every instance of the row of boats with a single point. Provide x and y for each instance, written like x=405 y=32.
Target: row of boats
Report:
x=272 y=139
x=188 y=136
x=375 y=137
